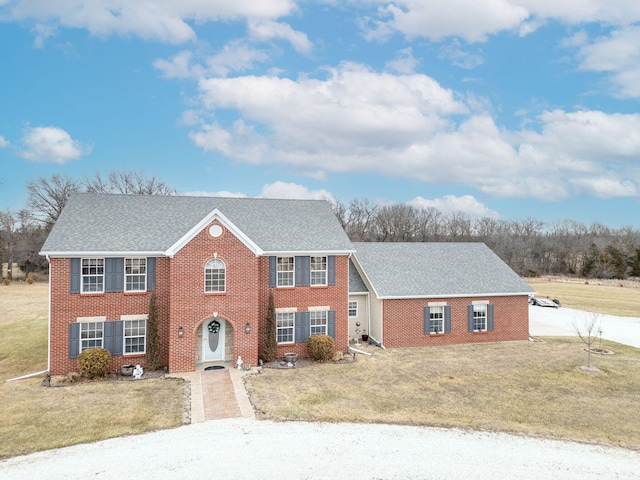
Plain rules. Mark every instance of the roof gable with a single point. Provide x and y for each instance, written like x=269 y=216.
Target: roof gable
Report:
x=421 y=270
x=106 y=224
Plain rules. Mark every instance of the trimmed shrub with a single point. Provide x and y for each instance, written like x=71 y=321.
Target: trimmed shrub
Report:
x=6 y=281
x=320 y=347
x=30 y=278
x=94 y=362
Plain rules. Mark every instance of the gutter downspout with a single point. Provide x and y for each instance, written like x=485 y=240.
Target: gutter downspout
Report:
x=49 y=321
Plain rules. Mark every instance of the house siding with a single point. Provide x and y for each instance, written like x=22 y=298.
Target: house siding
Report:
x=404 y=321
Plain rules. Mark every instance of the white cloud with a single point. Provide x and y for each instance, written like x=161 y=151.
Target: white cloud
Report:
x=4 y=143
x=451 y=204
x=617 y=54
x=357 y=120
x=474 y=21
x=50 y=144
x=221 y=193
x=236 y=56
x=404 y=63
x=461 y=57
x=293 y=190
x=467 y=19
x=163 y=20
x=268 y=29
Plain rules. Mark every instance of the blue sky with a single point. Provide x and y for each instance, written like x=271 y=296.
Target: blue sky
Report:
x=505 y=108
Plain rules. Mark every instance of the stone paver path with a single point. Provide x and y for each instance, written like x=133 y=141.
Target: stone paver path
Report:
x=217 y=394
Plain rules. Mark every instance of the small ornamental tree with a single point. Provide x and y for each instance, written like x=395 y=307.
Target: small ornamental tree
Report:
x=269 y=351
x=588 y=332
x=153 y=347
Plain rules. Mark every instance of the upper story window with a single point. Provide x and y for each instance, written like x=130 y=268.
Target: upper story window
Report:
x=135 y=274
x=215 y=274
x=91 y=334
x=436 y=319
x=92 y=275
x=353 y=308
x=285 y=322
x=285 y=270
x=318 y=270
x=480 y=318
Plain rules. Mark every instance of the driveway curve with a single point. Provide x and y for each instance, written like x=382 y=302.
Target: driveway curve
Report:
x=242 y=448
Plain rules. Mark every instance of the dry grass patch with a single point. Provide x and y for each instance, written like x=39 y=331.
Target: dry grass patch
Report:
x=39 y=418
x=522 y=387
x=608 y=297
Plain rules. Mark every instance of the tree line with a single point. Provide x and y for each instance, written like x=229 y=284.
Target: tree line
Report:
x=529 y=246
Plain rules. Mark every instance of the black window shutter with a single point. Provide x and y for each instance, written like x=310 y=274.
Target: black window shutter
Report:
x=470 y=317
x=447 y=319
x=272 y=271
x=331 y=323
x=75 y=276
x=114 y=274
x=107 y=336
x=331 y=270
x=426 y=321
x=118 y=338
x=74 y=339
x=151 y=274
x=303 y=271
x=490 y=318
x=299 y=327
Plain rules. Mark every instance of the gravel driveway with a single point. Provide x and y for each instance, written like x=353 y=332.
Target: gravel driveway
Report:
x=246 y=448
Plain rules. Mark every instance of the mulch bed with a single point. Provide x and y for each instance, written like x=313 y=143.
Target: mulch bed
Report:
x=302 y=362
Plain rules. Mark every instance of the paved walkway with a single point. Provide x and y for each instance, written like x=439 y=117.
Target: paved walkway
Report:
x=217 y=394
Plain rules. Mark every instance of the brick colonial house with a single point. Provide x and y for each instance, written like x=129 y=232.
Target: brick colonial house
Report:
x=214 y=262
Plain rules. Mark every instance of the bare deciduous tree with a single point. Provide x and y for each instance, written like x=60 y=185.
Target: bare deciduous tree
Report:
x=48 y=196
x=128 y=183
x=587 y=330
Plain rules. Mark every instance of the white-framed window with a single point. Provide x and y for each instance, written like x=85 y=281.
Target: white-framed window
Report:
x=135 y=274
x=215 y=275
x=353 y=308
x=480 y=318
x=285 y=270
x=285 y=327
x=318 y=271
x=436 y=319
x=318 y=322
x=135 y=335
x=91 y=335
x=92 y=274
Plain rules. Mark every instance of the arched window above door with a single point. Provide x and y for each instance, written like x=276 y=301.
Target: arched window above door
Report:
x=215 y=274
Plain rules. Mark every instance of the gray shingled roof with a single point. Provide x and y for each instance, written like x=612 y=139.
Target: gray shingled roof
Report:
x=103 y=223
x=400 y=270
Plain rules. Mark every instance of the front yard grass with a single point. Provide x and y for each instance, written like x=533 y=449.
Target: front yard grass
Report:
x=529 y=388
x=34 y=418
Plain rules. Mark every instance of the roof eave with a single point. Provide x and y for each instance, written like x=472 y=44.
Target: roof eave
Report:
x=457 y=295
x=82 y=253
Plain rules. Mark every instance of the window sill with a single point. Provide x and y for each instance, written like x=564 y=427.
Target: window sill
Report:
x=214 y=294
x=437 y=334
x=139 y=354
x=92 y=294
x=136 y=292
x=480 y=331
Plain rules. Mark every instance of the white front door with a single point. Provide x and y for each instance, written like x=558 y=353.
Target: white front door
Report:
x=213 y=339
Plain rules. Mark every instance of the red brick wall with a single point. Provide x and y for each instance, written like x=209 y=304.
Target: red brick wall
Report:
x=336 y=297
x=403 y=322
x=66 y=308
x=190 y=306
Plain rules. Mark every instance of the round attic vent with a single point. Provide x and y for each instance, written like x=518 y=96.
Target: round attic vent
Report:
x=215 y=230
